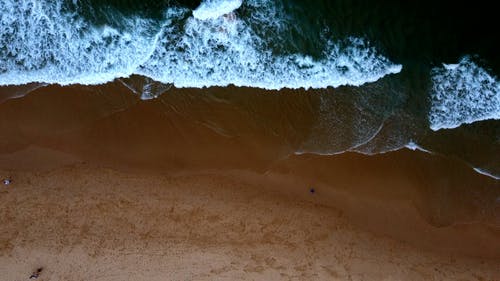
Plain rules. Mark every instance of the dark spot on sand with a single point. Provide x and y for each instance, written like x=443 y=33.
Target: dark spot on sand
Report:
x=36 y=274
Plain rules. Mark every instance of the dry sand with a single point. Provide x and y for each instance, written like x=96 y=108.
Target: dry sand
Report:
x=107 y=188
x=83 y=223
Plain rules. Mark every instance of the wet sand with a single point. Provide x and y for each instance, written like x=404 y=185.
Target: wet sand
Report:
x=190 y=187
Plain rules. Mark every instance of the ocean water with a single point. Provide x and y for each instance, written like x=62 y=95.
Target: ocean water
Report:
x=385 y=75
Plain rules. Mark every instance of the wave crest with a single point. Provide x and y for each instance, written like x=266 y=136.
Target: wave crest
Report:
x=45 y=41
x=212 y=9
x=463 y=93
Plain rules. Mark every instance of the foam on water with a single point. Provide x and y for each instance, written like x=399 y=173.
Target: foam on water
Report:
x=483 y=172
x=413 y=146
x=212 y=9
x=145 y=87
x=463 y=93
x=226 y=51
x=45 y=41
x=40 y=41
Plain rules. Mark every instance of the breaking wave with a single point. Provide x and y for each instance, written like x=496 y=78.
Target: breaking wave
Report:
x=50 y=42
x=463 y=93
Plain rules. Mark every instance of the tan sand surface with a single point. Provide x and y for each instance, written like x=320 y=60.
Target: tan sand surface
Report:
x=83 y=223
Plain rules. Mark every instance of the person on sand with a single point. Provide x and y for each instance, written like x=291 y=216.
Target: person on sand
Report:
x=7 y=181
x=36 y=274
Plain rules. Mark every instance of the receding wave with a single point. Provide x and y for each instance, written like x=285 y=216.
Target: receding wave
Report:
x=483 y=172
x=463 y=93
x=50 y=42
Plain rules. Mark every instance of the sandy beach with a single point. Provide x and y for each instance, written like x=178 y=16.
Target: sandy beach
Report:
x=83 y=223
x=110 y=188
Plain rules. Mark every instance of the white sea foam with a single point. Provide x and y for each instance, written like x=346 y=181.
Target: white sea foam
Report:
x=224 y=51
x=212 y=9
x=44 y=41
x=41 y=42
x=145 y=87
x=483 y=172
x=413 y=146
x=463 y=93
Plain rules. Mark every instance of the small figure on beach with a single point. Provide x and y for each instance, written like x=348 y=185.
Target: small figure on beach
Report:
x=36 y=274
x=312 y=190
x=7 y=181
